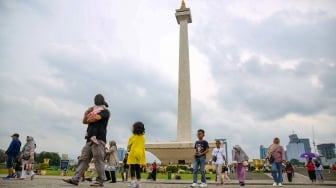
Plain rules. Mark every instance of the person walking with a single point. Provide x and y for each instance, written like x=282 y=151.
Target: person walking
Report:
x=154 y=171
x=218 y=158
x=242 y=162
x=319 y=169
x=11 y=153
x=311 y=170
x=225 y=176
x=27 y=158
x=97 y=125
x=201 y=149
x=289 y=171
x=124 y=172
x=112 y=162
x=137 y=155
x=276 y=152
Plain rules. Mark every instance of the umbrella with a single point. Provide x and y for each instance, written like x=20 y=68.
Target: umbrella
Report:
x=309 y=155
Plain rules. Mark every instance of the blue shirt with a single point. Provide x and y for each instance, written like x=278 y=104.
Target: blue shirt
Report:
x=14 y=148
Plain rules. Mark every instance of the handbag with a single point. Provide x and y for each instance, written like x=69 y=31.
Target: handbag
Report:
x=214 y=158
x=271 y=159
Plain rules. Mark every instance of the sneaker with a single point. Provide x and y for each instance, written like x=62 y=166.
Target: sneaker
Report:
x=280 y=184
x=203 y=185
x=275 y=184
x=132 y=184
x=32 y=176
x=6 y=178
x=137 y=184
x=194 y=185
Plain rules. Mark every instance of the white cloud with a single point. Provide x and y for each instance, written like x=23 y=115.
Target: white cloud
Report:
x=316 y=82
x=203 y=86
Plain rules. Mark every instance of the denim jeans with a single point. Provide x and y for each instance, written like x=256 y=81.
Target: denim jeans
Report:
x=199 y=162
x=319 y=175
x=277 y=172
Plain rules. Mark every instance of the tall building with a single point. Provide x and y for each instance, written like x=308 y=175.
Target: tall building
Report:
x=306 y=144
x=327 y=150
x=296 y=147
x=121 y=153
x=263 y=152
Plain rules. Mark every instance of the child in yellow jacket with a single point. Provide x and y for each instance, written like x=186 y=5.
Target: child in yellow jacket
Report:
x=137 y=155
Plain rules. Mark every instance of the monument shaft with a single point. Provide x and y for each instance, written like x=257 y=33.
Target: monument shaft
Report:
x=180 y=151
x=183 y=17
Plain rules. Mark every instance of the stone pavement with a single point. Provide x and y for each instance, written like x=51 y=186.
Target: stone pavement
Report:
x=56 y=181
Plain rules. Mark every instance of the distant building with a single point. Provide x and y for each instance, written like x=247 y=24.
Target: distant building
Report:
x=327 y=153
x=296 y=147
x=121 y=153
x=306 y=144
x=263 y=152
x=327 y=150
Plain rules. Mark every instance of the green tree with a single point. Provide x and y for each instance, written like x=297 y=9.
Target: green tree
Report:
x=2 y=156
x=54 y=158
x=296 y=162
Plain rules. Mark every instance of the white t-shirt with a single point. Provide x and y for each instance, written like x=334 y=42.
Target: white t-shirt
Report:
x=219 y=152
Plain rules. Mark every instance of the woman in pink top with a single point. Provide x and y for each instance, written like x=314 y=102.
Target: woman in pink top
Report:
x=278 y=153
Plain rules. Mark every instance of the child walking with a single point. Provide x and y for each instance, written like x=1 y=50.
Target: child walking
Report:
x=137 y=155
x=202 y=148
x=225 y=176
x=289 y=171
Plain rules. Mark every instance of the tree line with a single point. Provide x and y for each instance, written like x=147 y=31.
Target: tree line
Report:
x=54 y=157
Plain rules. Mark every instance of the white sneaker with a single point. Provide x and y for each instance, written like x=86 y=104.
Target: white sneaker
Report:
x=132 y=184
x=137 y=184
x=280 y=184
x=274 y=184
x=194 y=185
x=203 y=185
x=32 y=176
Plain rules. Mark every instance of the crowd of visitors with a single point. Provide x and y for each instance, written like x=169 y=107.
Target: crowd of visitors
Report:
x=103 y=163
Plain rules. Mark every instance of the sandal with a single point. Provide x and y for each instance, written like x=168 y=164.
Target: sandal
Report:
x=97 y=184
x=70 y=181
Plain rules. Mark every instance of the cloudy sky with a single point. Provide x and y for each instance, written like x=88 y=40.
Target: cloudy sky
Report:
x=259 y=69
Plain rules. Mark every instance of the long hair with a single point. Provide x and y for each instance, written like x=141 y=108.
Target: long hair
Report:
x=99 y=100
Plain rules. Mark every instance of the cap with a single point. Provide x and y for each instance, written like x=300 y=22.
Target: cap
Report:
x=15 y=134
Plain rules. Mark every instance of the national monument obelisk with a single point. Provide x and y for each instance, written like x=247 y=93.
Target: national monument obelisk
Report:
x=183 y=17
x=183 y=148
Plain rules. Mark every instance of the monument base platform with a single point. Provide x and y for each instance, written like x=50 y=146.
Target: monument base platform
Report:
x=175 y=152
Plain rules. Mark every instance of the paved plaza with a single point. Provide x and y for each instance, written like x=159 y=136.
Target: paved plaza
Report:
x=56 y=181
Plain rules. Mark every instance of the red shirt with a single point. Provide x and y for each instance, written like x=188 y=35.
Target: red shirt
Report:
x=310 y=166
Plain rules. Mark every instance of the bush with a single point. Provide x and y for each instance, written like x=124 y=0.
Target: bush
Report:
x=173 y=169
x=43 y=166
